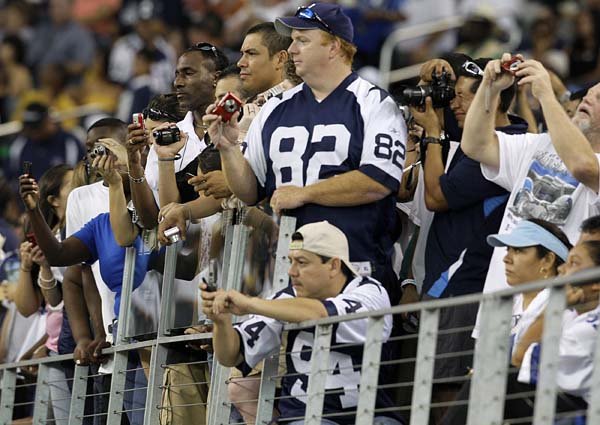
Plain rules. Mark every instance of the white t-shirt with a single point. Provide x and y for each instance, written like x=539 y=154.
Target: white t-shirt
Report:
x=188 y=153
x=540 y=187
x=83 y=204
x=576 y=351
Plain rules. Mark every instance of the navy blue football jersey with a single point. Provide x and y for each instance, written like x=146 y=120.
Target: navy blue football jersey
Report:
x=298 y=140
x=261 y=336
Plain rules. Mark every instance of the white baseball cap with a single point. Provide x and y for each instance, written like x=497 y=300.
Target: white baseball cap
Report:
x=323 y=238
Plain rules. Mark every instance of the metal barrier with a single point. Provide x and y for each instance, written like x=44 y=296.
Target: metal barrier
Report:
x=402 y=34
x=487 y=383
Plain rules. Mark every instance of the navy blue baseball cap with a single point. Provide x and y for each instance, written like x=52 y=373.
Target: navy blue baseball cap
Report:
x=323 y=16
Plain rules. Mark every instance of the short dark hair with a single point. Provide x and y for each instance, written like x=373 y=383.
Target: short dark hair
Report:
x=591 y=224
x=108 y=122
x=115 y=124
x=593 y=249
x=506 y=96
x=208 y=51
x=273 y=41
x=554 y=230
x=231 y=71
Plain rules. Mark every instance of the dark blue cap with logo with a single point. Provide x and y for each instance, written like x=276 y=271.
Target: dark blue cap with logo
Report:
x=328 y=17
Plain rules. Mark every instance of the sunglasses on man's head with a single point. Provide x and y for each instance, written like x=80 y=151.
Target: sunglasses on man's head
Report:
x=472 y=69
x=205 y=47
x=308 y=13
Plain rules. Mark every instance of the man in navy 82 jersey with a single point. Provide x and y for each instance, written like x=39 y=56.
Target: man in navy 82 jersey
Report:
x=331 y=149
x=323 y=283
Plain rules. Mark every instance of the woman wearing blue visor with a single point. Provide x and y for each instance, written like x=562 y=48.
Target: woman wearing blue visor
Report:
x=534 y=251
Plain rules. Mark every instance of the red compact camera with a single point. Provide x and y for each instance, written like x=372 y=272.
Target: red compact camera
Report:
x=228 y=106
x=138 y=119
x=512 y=65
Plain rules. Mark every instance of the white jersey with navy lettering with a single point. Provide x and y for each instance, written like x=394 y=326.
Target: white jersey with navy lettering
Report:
x=261 y=336
x=576 y=351
x=299 y=140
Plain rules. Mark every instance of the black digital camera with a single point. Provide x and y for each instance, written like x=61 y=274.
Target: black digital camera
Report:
x=166 y=136
x=441 y=91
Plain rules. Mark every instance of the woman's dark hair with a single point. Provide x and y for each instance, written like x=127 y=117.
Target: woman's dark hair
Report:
x=593 y=249
x=167 y=105
x=50 y=184
x=555 y=230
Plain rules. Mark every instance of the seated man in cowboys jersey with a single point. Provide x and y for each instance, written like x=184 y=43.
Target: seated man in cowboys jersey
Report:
x=323 y=283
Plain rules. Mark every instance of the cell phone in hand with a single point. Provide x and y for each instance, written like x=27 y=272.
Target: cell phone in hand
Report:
x=27 y=168
x=139 y=120
x=209 y=287
x=30 y=237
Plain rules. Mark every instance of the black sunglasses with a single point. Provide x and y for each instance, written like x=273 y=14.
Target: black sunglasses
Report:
x=307 y=12
x=156 y=115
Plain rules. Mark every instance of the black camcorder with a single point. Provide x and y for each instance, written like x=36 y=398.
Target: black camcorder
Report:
x=441 y=91
x=166 y=136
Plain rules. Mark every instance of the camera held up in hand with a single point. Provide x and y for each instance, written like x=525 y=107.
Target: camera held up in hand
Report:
x=166 y=136
x=98 y=150
x=441 y=91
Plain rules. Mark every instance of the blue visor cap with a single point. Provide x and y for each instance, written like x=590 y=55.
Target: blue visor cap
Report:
x=322 y=16
x=527 y=234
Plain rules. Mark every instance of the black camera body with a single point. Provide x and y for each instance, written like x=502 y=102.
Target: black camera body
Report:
x=166 y=136
x=441 y=91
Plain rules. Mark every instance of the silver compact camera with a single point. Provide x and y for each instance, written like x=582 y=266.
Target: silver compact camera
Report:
x=173 y=234
x=98 y=150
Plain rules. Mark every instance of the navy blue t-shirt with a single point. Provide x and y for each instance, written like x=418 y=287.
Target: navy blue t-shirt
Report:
x=98 y=237
x=457 y=254
x=298 y=140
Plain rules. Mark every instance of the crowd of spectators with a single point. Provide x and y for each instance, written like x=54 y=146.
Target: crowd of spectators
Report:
x=393 y=205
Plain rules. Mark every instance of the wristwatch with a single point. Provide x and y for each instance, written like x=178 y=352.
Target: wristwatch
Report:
x=431 y=140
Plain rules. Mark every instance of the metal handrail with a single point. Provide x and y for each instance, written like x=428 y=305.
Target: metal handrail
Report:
x=402 y=34
x=583 y=277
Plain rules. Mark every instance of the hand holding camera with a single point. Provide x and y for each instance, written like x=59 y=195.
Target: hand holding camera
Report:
x=137 y=139
x=105 y=164
x=168 y=140
x=28 y=188
x=222 y=119
x=533 y=72
x=172 y=223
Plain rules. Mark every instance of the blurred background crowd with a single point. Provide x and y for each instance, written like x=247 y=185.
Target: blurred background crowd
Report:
x=65 y=64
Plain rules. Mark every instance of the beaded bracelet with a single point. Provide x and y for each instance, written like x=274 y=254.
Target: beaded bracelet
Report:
x=41 y=279
x=136 y=179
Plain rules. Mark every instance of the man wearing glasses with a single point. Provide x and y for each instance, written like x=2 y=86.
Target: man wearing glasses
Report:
x=331 y=149
x=464 y=208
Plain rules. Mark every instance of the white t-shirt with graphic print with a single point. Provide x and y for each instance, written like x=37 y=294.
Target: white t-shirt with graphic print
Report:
x=541 y=187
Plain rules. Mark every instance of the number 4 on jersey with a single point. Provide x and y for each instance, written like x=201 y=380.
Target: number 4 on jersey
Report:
x=352 y=306
x=254 y=330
